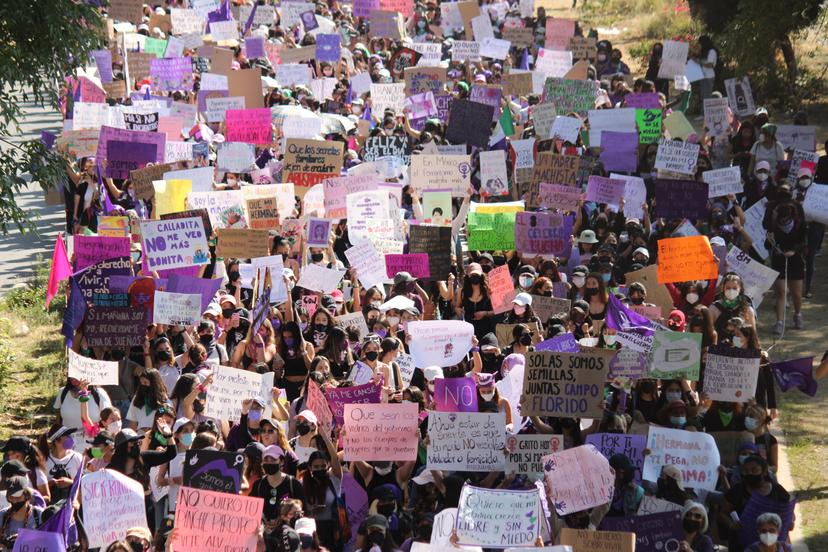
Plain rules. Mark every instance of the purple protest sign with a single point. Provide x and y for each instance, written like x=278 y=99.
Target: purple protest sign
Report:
x=254 y=47
x=309 y=20
x=601 y=189
x=631 y=446
x=191 y=271
x=628 y=363
x=678 y=199
x=95 y=279
x=327 y=47
x=758 y=505
x=356 y=503
x=362 y=8
x=415 y=264
x=33 y=540
x=563 y=343
x=455 y=395
x=360 y=394
x=89 y=250
x=643 y=100
x=619 y=150
x=653 y=532
x=131 y=150
x=443 y=102
x=319 y=230
x=207 y=287
x=118 y=327
x=543 y=233
x=488 y=95
x=171 y=74
x=103 y=60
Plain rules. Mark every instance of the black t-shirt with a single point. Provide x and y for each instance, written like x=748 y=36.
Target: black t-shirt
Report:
x=739 y=495
x=290 y=487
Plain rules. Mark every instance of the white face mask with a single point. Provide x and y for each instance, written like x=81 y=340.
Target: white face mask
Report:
x=761 y=177
x=526 y=282
x=692 y=298
x=737 y=341
x=609 y=340
x=487 y=396
x=114 y=427
x=751 y=424
x=393 y=320
x=519 y=310
x=731 y=294
x=578 y=281
x=768 y=539
x=804 y=182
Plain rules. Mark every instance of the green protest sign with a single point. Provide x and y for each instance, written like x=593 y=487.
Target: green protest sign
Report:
x=649 y=125
x=491 y=231
x=675 y=355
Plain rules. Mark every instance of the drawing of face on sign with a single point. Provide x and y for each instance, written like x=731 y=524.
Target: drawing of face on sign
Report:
x=511 y=444
x=448 y=351
x=233 y=217
x=309 y=20
x=555 y=444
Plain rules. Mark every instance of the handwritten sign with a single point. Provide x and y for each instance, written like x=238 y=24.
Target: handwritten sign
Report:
x=368 y=393
x=381 y=432
x=242 y=243
x=214 y=470
x=231 y=386
x=722 y=182
x=127 y=150
x=526 y=452
x=252 y=126
x=677 y=156
x=731 y=374
x=466 y=441
x=208 y=520
x=96 y=372
x=89 y=250
x=570 y=95
x=112 y=504
x=455 y=395
x=756 y=277
x=415 y=264
x=631 y=446
x=685 y=259
x=497 y=518
x=309 y=162
x=174 y=243
x=578 y=479
x=564 y=384
x=319 y=278
x=693 y=452
x=558 y=196
x=597 y=541
x=439 y=342
x=816 y=204
x=451 y=172
x=176 y=309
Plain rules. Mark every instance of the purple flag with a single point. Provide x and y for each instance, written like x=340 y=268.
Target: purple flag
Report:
x=797 y=373
x=108 y=207
x=249 y=22
x=524 y=60
x=221 y=14
x=623 y=319
x=563 y=343
x=178 y=283
x=75 y=311
x=48 y=139
x=63 y=522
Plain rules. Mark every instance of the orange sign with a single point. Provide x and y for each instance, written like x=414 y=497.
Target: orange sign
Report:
x=685 y=259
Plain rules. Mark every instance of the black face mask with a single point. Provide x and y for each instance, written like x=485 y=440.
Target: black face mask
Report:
x=526 y=339
x=321 y=328
x=691 y=525
x=271 y=469
x=17 y=506
x=164 y=356
x=637 y=301
x=371 y=356
x=486 y=268
x=227 y=313
x=136 y=547
x=206 y=341
x=303 y=429
x=198 y=407
x=580 y=522
x=319 y=474
x=376 y=539
x=475 y=279
x=589 y=292
x=424 y=532
x=386 y=509
x=752 y=479
x=317 y=257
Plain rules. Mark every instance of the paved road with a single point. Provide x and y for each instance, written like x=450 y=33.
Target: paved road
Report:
x=18 y=251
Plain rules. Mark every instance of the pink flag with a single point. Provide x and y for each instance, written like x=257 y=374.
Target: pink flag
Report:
x=60 y=270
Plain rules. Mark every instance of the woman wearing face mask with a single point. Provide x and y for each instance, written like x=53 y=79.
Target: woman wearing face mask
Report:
x=521 y=341
x=247 y=429
x=645 y=399
x=206 y=331
x=376 y=536
x=475 y=306
x=390 y=348
x=164 y=360
x=101 y=452
x=595 y=293
x=370 y=352
x=62 y=462
x=276 y=484
x=579 y=274
x=321 y=324
x=746 y=338
x=788 y=233
x=740 y=145
x=670 y=486
x=769 y=527
x=757 y=421
x=526 y=277
x=23 y=450
x=586 y=245
x=489 y=400
x=20 y=513
x=171 y=474
x=674 y=390
x=731 y=302
x=151 y=394
x=694 y=524
x=767 y=148
x=72 y=395
x=755 y=479
x=522 y=312
x=322 y=487
x=259 y=348
x=627 y=495
x=338 y=353
x=308 y=439
x=675 y=416
x=86 y=200
x=297 y=355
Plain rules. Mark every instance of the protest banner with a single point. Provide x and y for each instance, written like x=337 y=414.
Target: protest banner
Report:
x=675 y=355
x=816 y=203
x=142 y=179
x=526 y=452
x=78 y=143
x=319 y=231
x=231 y=386
x=564 y=384
x=436 y=242
x=120 y=327
x=174 y=243
x=497 y=518
x=147 y=122
x=251 y=126
x=543 y=233
x=558 y=196
x=247 y=83
x=796 y=137
x=469 y=123
x=566 y=128
x=125 y=10
x=176 y=309
x=213 y=470
x=570 y=95
x=38 y=540
x=757 y=278
x=309 y=162
x=422 y=79
x=631 y=446
x=316 y=403
x=319 y=278
x=455 y=395
x=89 y=250
x=677 y=156
x=678 y=199
x=381 y=432
x=215 y=104
x=96 y=372
x=242 y=243
x=731 y=374
x=653 y=533
x=722 y=182
x=604 y=190
x=112 y=504
x=384 y=96
x=127 y=150
x=729 y=442
x=263 y=213
x=368 y=393
x=583 y=540
x=685 y=259
x=491 y=231
x=801 y=159
x=756 y=506
x=716 y=117
x=450 y=172
x=225 y=208
x=94 y=280
x=693 y=452
x=504 y=333
x=415 y=264
x=387 y=146
x=439 y=342
x=466 y=441
x=171 y=74
x=208 y=520
x=578 y=479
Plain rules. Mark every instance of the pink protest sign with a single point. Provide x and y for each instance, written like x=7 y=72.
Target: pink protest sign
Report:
x=558 y=33
x=415 y=264
x=578 y=478
x=318 y=405
x=601 y=189
x=557 y=196
x=360 y=394
x=643 y=100
x=501 y=289
x=89 y=250
x=338 y=188
x=171 y=127
x=381 y=432
x=252 y=126
x=128 y=150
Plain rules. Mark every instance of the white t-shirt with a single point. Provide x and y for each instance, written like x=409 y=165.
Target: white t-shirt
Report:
x=140 y=415
x=170 y=375
x=772 y=155
x=176 y=470
x=712 y=58
x=70 y=407
x=68 y=466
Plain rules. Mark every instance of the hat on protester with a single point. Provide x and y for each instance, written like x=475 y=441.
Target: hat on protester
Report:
x=413 y=311
x=140 y=532
x=403 y=278
x=308 y=415
x=398 y=302
x=432 y=373
x=16 y=486
x=580 y=269
x=487 y=256
x=260 y=401
x=254 y=450
x=273 y=451
x=804 y=171
x=762 y=165
x=227 y=298
x=18 y=444
x=127 y=436
x=643 y=250
x=674 y=473
x=522 y=299
x=213 y=308
x=327 y=302
x=588 y=236
x=102 y=438
x=769 y=129
x=60 y=432
x=527 y=269
x=760 y=111
x=12 y=468
x=633 y=220
x=338 y=296
x=718 y=240
x=377 y=521
x=424 y=477
x=488 y=340
x=475 y=268
x=181 y=422
x=305 y=526
x=485 y=380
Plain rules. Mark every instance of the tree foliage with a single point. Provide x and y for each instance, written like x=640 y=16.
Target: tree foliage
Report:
x=41 y=42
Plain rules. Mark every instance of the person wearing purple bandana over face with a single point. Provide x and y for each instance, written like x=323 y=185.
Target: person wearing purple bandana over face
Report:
x=248 y=427
x=62 y=462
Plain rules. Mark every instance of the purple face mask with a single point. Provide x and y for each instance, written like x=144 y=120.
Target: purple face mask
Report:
x=68 y=443
x=276 y=323
x=381 y=333
x=289 y=341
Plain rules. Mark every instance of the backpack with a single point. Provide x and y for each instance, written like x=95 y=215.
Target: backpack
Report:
x=92 y=390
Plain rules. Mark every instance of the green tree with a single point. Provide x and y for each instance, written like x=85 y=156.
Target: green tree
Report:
x=41 y=42
x=753 y=33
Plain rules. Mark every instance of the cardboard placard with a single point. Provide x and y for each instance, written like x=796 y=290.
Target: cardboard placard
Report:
x=242 y=243
x=565 y=384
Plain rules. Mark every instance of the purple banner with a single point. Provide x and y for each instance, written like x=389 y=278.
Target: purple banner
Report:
x=443 y=102
x=653 y=533
x=103 y=60
x=89 y=250
x=327 y=47
x=758 y=505
x=360 y=394
x=798 y=374
x=643 y=100
x=455 y=395
x=619 y=151
x=678 y=199
x=563 y=343
x=31 y=540
x=487 y=95
x=171 y=74
x=179 y=283
x=356 y=503
x=254 y=47
x=543 y=233
x=95 y=279
x=126 y=144
x=631 y=446
x=118 y=327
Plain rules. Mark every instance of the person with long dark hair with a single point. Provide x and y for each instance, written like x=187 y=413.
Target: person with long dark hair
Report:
x=474 y=304
x=322 y=485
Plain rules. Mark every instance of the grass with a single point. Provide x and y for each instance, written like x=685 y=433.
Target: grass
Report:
x=32 y=356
